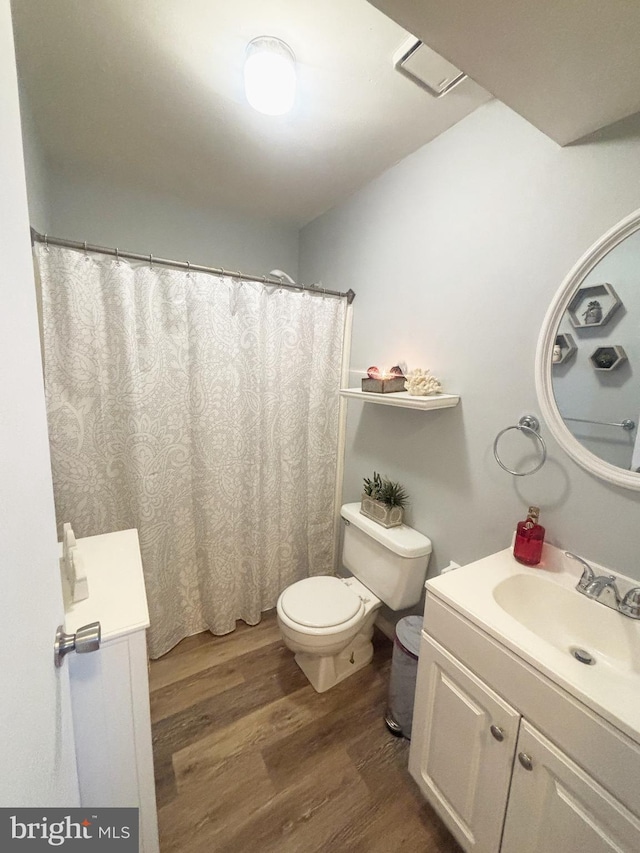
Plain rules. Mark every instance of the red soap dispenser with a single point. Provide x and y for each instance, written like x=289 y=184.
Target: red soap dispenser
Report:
x=527 y=547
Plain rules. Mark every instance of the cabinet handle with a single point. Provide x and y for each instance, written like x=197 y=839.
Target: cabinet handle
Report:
x=497 y=732
x=525 y=760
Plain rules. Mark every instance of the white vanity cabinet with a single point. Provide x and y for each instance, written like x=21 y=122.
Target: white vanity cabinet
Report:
x=479 y=755
x=462 y=747
x=110 y=687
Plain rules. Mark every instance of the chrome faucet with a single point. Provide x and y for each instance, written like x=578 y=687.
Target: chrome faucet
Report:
x=604 y=590
x=588 y=574
x=630 y=604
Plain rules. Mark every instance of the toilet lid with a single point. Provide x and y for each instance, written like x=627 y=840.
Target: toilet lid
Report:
x=321 y=602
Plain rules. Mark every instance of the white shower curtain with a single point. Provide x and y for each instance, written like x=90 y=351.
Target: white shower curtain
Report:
x=204 y=412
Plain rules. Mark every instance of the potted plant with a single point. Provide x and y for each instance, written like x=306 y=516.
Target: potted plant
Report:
x=383 y=501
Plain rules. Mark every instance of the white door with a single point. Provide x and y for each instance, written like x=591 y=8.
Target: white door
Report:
x=36 y=734
x=462 y=745
x=555 y=805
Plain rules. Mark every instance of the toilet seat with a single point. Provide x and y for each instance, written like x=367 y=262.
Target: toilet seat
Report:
x=321 y=602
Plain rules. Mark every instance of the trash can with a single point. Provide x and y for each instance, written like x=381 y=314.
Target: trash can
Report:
x=404 y=670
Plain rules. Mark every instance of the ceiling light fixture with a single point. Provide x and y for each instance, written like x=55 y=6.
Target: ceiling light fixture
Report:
x=270 y=76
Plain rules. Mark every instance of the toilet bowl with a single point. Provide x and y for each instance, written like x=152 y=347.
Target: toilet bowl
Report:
x=328 y=621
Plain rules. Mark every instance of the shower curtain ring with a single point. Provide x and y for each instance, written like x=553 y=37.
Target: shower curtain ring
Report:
x=188 y=269
x=46 y=242
x=86 y=256
x=117 y=255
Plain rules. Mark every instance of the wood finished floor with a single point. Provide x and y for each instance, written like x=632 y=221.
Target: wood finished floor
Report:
x=250 y=759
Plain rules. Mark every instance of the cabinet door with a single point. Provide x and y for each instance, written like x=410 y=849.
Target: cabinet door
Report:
x=555 y=805
x=112 y=724
x=462 y=748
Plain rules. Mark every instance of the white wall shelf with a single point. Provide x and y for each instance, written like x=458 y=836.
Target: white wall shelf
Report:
x=403 y=399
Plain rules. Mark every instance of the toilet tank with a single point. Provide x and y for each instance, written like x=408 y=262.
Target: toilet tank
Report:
x=391 y=562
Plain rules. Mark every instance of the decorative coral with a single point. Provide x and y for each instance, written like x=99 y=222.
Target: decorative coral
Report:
x=420 y=383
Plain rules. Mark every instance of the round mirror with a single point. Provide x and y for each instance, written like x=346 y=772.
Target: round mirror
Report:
x=588 y=358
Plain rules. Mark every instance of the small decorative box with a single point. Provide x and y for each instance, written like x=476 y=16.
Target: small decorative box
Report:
x=383 y=386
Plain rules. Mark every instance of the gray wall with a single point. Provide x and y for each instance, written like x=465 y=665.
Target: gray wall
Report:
x=455 y=254
x=130 y=218
x=35 y=170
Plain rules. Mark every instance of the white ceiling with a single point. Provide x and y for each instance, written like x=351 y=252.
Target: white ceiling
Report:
x=570 y=67
x=149 y=92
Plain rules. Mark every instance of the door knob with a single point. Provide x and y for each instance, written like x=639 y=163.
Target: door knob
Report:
x=86 y=639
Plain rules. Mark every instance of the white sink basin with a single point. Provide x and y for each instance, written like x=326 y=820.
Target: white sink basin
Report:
x=540 y=616
x=567 y=620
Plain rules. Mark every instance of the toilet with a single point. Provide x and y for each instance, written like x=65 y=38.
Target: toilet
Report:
x=328 y=621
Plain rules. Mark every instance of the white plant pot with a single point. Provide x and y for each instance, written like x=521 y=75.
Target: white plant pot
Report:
x=387 y=516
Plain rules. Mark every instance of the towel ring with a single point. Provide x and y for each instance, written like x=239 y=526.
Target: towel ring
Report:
x=529 y=425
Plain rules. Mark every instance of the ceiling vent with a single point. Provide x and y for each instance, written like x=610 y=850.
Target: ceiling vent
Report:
x=427 y=69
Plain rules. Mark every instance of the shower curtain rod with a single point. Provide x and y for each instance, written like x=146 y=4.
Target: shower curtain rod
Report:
x=36 y=237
